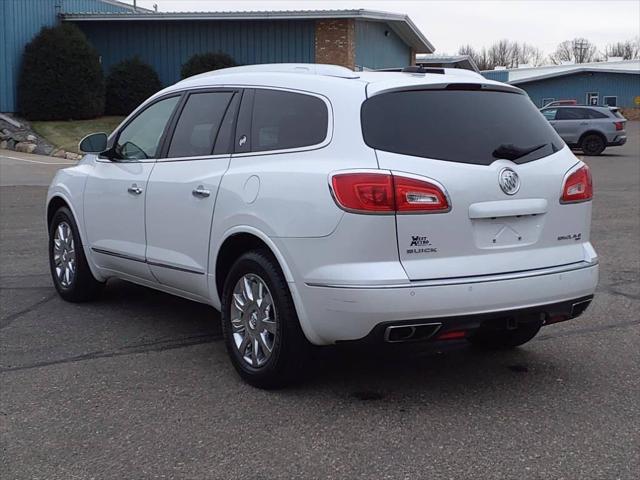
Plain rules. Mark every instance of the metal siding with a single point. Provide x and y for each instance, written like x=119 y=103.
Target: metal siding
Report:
x=375 y=50
x=625 y=86
x=21 y=21
x=167 y=45
x=497 y=75
x=92 y=6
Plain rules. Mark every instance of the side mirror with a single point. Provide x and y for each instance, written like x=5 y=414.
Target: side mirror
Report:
x=94 y=143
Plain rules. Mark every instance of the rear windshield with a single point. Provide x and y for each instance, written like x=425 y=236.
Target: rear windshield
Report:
x=466 y=126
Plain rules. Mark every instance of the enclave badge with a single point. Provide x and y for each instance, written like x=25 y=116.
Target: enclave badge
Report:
x=509 y=181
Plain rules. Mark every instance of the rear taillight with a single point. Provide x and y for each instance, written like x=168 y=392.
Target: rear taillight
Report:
x=578 y=186
x=619 y=125
x=413 y=195
x=384 y=192
x=364 y=192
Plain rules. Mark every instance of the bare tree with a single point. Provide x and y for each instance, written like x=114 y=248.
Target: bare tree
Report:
x=525 y=53
x=578 y=50
x=504 y=53
x=628 y=50
x=480 y=57
x=501 y=53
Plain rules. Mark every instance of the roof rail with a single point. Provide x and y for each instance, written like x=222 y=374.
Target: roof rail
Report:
x=302 y=68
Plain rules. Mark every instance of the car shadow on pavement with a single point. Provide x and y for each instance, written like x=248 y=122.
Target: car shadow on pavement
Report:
x=357 y=373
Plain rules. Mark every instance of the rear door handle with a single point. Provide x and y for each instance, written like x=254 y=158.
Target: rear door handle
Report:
x=584 y=123
x=201 y=192
x=135 y=189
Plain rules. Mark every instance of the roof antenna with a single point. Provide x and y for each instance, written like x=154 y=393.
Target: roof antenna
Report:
x=135 y=6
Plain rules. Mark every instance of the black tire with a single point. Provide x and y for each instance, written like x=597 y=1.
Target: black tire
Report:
x=83 y=287
x=504 y=339
x=290 y=351
x=592 y=144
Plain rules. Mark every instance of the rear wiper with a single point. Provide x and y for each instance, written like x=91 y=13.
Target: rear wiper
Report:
x=512 y=152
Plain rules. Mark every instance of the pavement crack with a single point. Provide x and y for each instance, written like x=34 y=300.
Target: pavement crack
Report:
x=158 y=346
x=6 y=321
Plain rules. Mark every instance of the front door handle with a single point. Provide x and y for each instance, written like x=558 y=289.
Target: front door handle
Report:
x=135 y=189
x=201 y=192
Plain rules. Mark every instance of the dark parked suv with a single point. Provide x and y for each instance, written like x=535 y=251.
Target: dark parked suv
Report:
x=591 y=129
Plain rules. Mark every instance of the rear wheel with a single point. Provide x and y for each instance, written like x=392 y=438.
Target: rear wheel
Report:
x=501 y=339
x=69 y=268
x=259 y=322
x=592 y=144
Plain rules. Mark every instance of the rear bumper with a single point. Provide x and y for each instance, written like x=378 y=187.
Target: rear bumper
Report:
x=617 y=141
x=332 y=314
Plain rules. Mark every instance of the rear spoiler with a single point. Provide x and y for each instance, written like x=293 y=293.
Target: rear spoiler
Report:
x=488 y=87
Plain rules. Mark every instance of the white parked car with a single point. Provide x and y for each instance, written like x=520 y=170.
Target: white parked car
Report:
x=314 y=205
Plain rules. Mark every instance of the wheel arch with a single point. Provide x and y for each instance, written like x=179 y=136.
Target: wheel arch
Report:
x=55 y=203
x=593 y=132
x=238 y=241
x=57 y=200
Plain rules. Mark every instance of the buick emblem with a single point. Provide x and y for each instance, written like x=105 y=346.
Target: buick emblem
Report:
x=509 y=181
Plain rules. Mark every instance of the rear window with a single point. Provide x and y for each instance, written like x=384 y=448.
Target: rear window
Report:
x=466 y=126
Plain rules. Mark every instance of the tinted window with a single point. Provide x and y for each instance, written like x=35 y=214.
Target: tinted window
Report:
x=571 y=114
x=140 y=139
x=287 y=120
x=550 y=113
x=465 y=126
x=595 y=114
x=224 y=141
x=198 y=126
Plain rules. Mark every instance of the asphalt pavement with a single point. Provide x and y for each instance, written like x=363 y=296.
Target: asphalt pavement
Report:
x=137 y=385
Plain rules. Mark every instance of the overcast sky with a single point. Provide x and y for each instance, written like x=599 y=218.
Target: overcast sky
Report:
x=451 y=23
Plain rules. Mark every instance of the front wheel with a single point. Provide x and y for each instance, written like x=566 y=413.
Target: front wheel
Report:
x=259 y=322
x=503 y=339
x=592 y=145
x=69 y=268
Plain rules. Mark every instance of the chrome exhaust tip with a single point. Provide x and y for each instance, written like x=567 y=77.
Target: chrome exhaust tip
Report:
x=410 y=333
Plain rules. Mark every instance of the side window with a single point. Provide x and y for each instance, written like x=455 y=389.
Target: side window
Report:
x=198 y=125
x=224 y=141
x=140 y=139
x=287 y=120
x=550 y=113
x=571 y=114
x=595 y=114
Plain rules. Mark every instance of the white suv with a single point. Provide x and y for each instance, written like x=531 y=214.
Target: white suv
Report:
x=314 y=205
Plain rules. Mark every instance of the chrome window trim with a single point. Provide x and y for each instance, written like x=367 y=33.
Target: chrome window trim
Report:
x=330 y=123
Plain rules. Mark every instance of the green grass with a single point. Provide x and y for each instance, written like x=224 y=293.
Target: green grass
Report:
x=67 y=134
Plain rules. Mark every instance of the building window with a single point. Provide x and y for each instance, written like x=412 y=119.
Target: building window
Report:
x=547 y=101
x=610 y=101
x=593 y=98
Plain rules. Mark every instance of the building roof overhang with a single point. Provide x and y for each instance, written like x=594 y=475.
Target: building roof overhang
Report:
x=400 y=23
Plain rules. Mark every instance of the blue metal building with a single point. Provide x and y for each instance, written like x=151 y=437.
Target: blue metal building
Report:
x=615 y=83
x=354 y=38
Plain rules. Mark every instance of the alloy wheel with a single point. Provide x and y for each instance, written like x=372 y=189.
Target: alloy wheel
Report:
x=64 y=255
x=253 y=320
